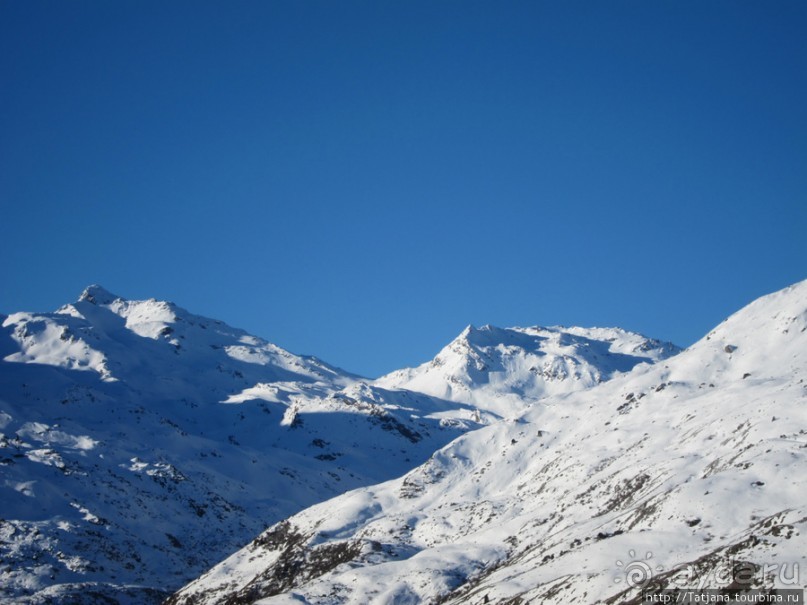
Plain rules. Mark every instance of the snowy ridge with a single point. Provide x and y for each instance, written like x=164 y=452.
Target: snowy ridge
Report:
x=102 y=329
x=687 y=473
x=517 y=366
x=140 y=444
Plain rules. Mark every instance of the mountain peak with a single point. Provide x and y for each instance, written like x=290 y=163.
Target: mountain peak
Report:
x=506 y=367
x=97 y=295
x=485 y=335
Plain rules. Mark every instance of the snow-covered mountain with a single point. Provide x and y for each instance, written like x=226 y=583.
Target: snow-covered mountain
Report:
x=510 y=368
x=687 y=473
x=140 y=444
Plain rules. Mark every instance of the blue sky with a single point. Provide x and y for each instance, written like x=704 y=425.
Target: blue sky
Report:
x=360 y=180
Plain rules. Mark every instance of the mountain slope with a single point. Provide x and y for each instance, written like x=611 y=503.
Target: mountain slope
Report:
x=687 y=473
x=140 y=443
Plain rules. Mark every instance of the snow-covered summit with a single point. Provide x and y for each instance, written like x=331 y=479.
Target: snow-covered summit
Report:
x=99 y=295
x=518 y=365
x=126 y=340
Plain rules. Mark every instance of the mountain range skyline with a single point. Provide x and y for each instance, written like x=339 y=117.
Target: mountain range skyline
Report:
x=98 y=293
x=324 y=174
x=142 y=445
x=182 y=438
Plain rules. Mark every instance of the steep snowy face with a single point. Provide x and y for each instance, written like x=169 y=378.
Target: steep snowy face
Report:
x=690 y=473
x=515 y=366
x=140 y=444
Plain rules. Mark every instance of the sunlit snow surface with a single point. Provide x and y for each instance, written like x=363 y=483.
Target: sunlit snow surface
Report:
x=680 y=471
x=140 y=444
x=506 y=369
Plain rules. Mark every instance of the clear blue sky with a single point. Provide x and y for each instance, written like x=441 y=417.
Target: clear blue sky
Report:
x=360 y=180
